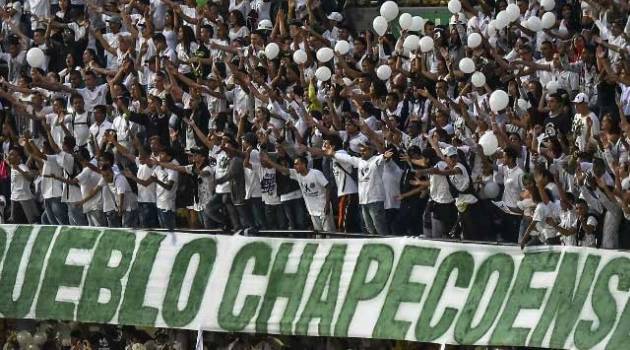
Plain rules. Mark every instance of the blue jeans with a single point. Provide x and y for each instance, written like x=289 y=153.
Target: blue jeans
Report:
x=258 y=210
x=166 y=219
x=296 y=213
x=56 y=212
x=76 y=217
x=130 y=219
x=374 y=218
x=113 y=219
x=276 y=220
x=147 y=215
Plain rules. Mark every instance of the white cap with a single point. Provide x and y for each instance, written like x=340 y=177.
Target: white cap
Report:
x=335 y=16
x=265 y=24
x=450 y=151
x=580 y=98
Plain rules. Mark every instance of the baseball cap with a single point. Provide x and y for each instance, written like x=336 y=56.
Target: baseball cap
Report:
x=115 y=19
x=265 y=24
x=335 y=16
x=450 y=151
x=580 y=98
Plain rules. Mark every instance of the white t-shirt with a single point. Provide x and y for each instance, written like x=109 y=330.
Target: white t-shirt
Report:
x=51 y=188
x=580 y=127
x=438 y=186
x=205 y=187
x=252 y=181
x=165 y=199
x=568 y=220
x=371 y=187
x=79 y=125
x=345 y=183
x=541 y=213
x=94 y=97
x=89 y=179
x=221 y=169
x=513 y=183
x=113 y=190
x=313 y=186
x=20 y=185
x=391 y=184
x=70 y=193
x=268 y=184
x=146 y=194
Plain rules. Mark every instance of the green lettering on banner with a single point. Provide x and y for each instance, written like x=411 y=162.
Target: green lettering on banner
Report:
x=604 y=305
x=228 y=320
x=101 y=276
x=523 y=296
x=501 y=263
x=464 y=263
x=285 y=285
x=11 y=266
x=206 y=249
x=360 y=289
x=58 y=274
x=3 y=242
x=132 y=310
x=318 y=306
x=563 y=305
x=402 y=290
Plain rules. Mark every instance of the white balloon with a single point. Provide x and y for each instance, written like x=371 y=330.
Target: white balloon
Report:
x=502 y=20
x=466 y=65
x=553 y=86
x=405 y=20
x=411 y=42
x=534 y=24
x=39 y=338
x=491 y=29
x=474 y=40
x=489 y=143
x=491 y=190
x=325 y=54
x=522 y=104
x=299 y=56
x=35 y=57
x=478 y=79
x=24 y=338
x=513 y=12
x=472 y=22
x=426 y=44
x=548 y=20
x=272 y=50
x=548 y=5
x=342 y=47
x=417 y=23
x=389 y=10
x=384 y=72
x=454 y=6
x=323 y=73
x=380 y=25
x=499 y=100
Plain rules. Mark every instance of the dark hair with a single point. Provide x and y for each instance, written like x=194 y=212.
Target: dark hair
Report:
x=511 y=152
x=100 y=108
x=188 y=37
x=302 y=159
x=240 y=20
x=335 y=141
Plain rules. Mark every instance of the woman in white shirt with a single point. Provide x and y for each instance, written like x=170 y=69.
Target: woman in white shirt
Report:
x=21 y=179
x=511 y=175
x=185 y=49
x=236 y=22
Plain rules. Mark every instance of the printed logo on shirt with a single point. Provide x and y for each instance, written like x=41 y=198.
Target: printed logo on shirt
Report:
x=309 y=190
x=268 y=184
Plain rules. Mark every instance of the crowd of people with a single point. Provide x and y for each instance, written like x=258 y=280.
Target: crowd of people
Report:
x=58 y=335
x=218 y=114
